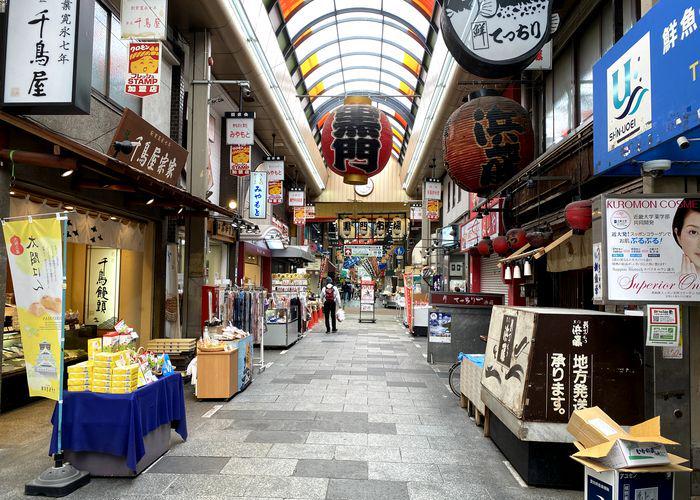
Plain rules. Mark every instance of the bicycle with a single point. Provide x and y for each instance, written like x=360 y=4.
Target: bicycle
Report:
x=456 y=368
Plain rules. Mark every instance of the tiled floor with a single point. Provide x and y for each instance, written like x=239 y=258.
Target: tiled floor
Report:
x=354 y=415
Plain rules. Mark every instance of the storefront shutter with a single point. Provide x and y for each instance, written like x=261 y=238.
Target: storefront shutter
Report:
x=491 y=277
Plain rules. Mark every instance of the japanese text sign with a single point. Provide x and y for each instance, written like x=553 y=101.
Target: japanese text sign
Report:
x=143 y=78
x=469 y=234
x=432 y=210
x=258 y=195
x=240 y=161
x=102 y=304
x=652 y=248
x=297 y=199
x=154 y=153
x=275 y=178
x=35 y=257
x=44 y=56
x=646 y=92
x=144 y=19
x=310 y=211
x=433 y=190
x=663 y=325
x=239 y=128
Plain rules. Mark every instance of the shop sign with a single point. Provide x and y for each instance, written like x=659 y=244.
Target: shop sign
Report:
x=102 y=287
x=651 y=248
x=439 y=328
x=494 y=38
x=466 y=300
x=433 y=190
x=310 y=212
x=283 y=228
x=258 y=195
x=143 y=78
x=663 y=325
x=300 y=216
x=275 y=178
x=144 y=19
x=367 y=292
x=408 y=299
x=297 y=198
x=35 y=257
x=543 y=59
x=398 y=227
x=416 y=213
x=224 y=231
x=597 y=271
x=491 y=222
x=432 y=210
x=48 y=56
x=469 y=234
x=239 y=128
x=154 y=154
x=363 y=251
x=240 y=161
x=646 y=89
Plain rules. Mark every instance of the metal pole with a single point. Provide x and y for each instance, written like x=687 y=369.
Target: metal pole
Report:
x=58 y=458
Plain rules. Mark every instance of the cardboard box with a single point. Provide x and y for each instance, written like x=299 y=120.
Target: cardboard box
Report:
x=605 y=446
x=616 y=485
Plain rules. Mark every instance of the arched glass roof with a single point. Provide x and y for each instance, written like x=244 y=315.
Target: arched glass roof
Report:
x=380 y=48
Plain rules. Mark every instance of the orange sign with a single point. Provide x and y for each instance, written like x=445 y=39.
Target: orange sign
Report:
x=432 y=210
x=240 y=161
x=300 y=215
x=143 y=78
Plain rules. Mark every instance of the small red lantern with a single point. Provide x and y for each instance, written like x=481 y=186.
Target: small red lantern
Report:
x=579 y=216
x=487 y=141
x=473 y=251
x=485 y=247
x=540 y=237
x=500 y=245
x=356 y=140
x=517 y=238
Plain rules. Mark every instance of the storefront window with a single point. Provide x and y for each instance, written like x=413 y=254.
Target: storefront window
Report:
x=588 y=54
x=563 y=95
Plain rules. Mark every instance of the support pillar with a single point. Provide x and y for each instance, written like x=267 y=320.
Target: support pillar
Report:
x=425 y=238
x=5 y=173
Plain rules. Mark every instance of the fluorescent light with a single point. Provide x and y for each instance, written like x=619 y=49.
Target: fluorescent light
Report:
x=67 y=207
x=150 y=202
x=67 y=173
x=113 y=218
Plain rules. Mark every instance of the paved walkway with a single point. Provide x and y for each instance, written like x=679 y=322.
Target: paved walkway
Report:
x=354 y=415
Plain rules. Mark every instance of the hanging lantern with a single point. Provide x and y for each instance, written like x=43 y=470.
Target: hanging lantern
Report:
x=346 y=229
x=507 y=275
x=540 y=237
x=516 y=272
x=579 y=216
x=380 y=228
x=500 y=245
x=527 y=271
x=473 y=251
x=356 y=140
x=487 y=141
x=485 y=247
x=517 y=238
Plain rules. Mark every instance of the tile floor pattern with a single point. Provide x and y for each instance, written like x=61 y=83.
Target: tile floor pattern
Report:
x=355 y=415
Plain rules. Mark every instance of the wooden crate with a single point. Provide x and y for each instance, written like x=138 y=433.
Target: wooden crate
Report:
x=217 y=374
x=172 y=346
x=470 y=388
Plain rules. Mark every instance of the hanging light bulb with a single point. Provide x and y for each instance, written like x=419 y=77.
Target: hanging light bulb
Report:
x=528 y=268
x=507 y=275
x=516 y=272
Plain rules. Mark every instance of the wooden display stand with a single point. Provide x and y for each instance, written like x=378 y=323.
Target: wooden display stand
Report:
x=217 y=374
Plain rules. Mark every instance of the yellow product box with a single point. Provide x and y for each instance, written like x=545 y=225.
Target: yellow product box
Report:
x=102 y=365
x=78 y=388
x=104 y=390
x=122 y=390
x=79 y=367
x=113 y=383
x=113 y=357
x=114 y=377
x=132 y=370
x=94 y=346
x=78 y=380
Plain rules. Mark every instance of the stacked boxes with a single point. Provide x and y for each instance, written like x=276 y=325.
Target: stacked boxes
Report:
x=112 y=374
x=80 y=376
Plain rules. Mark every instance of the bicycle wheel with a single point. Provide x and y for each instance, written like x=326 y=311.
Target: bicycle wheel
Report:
x=454 y=379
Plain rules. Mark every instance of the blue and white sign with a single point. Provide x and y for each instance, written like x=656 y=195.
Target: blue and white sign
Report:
x=258 y=195
x=647 y=93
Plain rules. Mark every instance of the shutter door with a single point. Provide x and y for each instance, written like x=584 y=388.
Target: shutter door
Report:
x=491 y=281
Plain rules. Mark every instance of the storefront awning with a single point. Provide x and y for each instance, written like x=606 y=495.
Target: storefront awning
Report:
x=112 y=169
x=294 y=252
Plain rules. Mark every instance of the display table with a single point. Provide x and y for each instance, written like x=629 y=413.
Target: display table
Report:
x=217 y=374
x=470 y=385
x=121 y=434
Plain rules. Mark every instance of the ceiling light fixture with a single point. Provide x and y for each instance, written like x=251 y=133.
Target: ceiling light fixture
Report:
x=232 y=204
x=68 y=173
x=151 y=201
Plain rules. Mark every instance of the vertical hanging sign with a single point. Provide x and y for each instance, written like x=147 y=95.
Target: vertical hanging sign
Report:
x=144 y=19
x=433 y=190
x=432 y=210
x=300 y=216
x=35 y=256
x=143 y=78
x=102 y=305
x=240 y=161
x=310 y=212
x=258 y=195
x=275 y=177
x=48 y=56
x=297 y=198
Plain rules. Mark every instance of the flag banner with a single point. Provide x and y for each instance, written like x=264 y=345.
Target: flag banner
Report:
x=35 y=257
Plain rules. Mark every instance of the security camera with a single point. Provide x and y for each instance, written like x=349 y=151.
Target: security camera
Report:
x=683 y=142
x=656 y=168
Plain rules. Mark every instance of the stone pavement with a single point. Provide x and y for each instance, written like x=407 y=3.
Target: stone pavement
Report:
x=355 y=415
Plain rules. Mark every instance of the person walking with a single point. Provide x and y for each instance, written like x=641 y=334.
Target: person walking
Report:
x=331 y=302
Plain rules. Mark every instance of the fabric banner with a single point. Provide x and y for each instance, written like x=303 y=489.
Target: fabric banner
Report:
x=35 y=256
x=275 y=192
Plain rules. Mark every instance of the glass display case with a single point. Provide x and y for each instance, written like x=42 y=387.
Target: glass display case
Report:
x=282 y=328
x=12 y=353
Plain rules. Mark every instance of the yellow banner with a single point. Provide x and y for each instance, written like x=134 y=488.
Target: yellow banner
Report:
x=35 y=256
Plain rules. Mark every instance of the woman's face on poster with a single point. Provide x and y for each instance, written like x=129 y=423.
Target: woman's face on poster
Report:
x=689 y=237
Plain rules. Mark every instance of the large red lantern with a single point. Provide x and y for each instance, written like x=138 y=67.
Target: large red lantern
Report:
x=485 y=247
x=473 y=251
x=500 y=245
x=356 y=140
x=579 y=216
x=540 y=237
x=517 y=238
x=487 y=141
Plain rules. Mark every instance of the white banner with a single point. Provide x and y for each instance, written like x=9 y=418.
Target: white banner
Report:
x=297 y=198
x=433 y=190
x=102 y=287
x=258 y=195
x=363 y=250
x=652 y=248
x=144 y=19
x=239 y=129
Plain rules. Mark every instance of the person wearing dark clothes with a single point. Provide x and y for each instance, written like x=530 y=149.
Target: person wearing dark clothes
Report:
x=331 y=303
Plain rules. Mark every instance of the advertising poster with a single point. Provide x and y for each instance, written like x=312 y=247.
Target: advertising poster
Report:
x=258 y=196
x=35 y=257
x=652 y=249
x=469 y=234
x=102 y=287
x=439 y=326
x=367 y=292
x=297 y=199
x=433 y=190
x=432 y=210
x=663 y=325
x=300 y=216
x=408 y=299
x=275 y=177
x=144 y=19
x=143 y=78
x=240 y=161
x=310 y=211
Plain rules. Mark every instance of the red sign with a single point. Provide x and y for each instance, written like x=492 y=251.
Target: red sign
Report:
x=408 y=299
x=240 y=161
x=465 y=300
x=143 y=78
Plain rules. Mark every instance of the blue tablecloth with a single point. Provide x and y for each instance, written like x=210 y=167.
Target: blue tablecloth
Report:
x=117 y=423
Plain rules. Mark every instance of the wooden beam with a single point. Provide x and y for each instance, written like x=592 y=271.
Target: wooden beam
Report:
x=38 y=159
x=517 y=253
